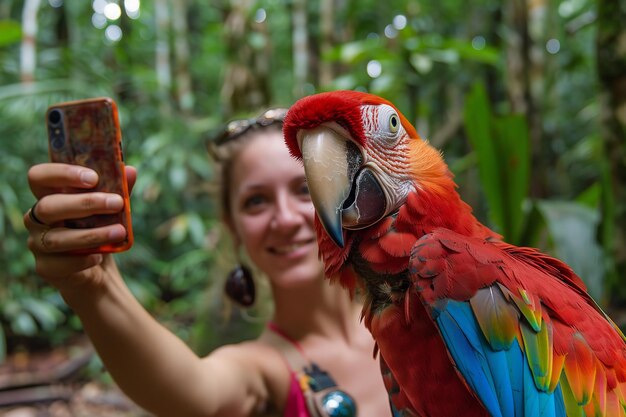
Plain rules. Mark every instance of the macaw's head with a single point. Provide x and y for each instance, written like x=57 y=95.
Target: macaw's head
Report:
x=361 y=156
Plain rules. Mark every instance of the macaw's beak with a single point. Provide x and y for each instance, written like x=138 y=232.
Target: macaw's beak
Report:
x=345 y=193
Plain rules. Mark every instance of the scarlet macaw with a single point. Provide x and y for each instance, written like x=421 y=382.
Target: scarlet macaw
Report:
x=465 y=324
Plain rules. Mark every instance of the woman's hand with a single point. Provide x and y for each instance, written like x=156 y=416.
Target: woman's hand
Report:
x=61 y=194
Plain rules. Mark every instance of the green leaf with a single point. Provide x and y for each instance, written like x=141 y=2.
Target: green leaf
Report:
x=592 y=196
x=24 y=324
x=422 y=63
x=179 y=229
x=178 y=177
x=197 y=230
x=477 y=115
x=447 y=56
x=512 y=142
x=572 y=227
x=46 y=314
x=10 y=32
x=352 y=52
x=503 y=156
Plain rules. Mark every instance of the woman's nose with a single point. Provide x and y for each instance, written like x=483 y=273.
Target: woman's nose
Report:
x=287 y=213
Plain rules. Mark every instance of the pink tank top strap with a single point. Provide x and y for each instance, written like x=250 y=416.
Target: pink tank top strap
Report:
x=312 y=391
x=291 y=351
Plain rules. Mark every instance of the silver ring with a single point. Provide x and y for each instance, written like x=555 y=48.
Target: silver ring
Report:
x=31 y=214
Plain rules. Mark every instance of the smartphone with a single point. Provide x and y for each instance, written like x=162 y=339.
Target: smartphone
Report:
x=87 y=132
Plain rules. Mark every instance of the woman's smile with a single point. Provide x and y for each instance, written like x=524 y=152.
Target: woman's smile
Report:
x=292 y=249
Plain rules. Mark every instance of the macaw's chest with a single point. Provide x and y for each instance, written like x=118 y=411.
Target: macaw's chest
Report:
x=411 y=344
x=414 y=352
x=380 y=257
x=381 y=290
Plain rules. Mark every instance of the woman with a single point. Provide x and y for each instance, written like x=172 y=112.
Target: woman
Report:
x=269 y=213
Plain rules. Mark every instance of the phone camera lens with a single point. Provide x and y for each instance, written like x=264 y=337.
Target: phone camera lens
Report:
x=54 y=117
x=58 y=142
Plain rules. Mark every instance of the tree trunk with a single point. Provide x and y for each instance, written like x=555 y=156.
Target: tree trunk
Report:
x=73 y=34
x=536 y=13
x=524 y=78
x=246 y=76
x=162 y=53
x=28 y=51
x=611 y=61
x=184 y=95
x=327 y=29
x=516 y=46
x=300 y=47
x=5 y=10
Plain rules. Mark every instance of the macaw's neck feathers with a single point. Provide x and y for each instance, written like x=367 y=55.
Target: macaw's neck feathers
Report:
x=428 y=168
x=436 y=202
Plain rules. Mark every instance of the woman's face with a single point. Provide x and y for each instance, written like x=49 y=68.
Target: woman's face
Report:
x=272 y=212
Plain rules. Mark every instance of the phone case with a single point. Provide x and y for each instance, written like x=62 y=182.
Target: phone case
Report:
x=87 y=133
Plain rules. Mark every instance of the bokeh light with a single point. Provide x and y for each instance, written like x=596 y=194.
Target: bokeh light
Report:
x=399 y=22
x=553 y=46
x=113 y=33
x=112 y=11
x=99 y=5
x=374 y=68
x=390 y=31
x=132 y=8
x=478 y=43
x=260 y=15
x=98 y=20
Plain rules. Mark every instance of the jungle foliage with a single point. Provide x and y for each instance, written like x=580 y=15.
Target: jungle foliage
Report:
x=510 y=91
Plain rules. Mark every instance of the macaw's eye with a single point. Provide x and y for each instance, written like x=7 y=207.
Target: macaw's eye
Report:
x=394 y=123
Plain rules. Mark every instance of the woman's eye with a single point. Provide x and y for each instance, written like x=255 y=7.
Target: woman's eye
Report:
x=304 y=188
x=253 y=201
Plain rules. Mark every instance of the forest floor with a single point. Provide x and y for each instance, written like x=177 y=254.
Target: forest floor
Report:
x=88 y=400
x=56 y=383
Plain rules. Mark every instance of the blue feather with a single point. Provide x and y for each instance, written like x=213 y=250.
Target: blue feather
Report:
x=461 y=338
x=515 y=363
x=559 y=402
x=536 y=403
x=499 y=369
x=502 y=379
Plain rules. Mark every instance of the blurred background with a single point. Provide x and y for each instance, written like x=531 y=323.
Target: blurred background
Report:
x=526 y=98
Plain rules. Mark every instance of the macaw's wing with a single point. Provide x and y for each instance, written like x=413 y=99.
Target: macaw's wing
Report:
x=523 y=333
x=399 y=403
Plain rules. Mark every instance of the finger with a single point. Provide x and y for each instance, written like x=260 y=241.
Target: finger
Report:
x=52 y=178
x=58 y=267
x=131 y=177
x=60 y=239
x=55 y=208
x=31 y=216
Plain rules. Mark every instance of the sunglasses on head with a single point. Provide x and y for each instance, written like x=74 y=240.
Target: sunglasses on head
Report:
x=237 y=128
